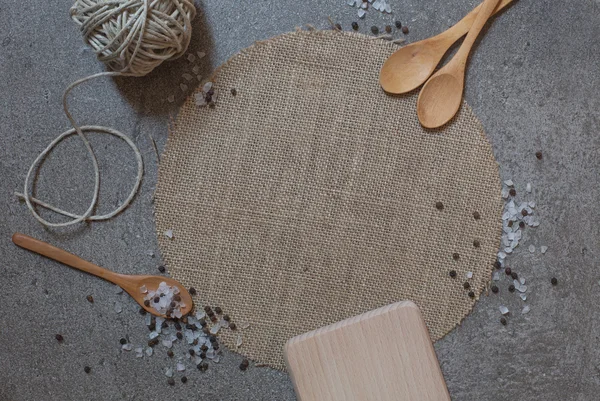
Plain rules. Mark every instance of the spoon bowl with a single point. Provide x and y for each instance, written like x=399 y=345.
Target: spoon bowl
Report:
x=132 y=284
x=439 y=100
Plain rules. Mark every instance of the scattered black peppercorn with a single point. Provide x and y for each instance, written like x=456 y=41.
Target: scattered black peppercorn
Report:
x=202 y=322
x=503 y=321
x=146 y=303
x=203 y=348
x=161 y=268
x=156 y=300
x=216 y=347
x=388 y=29
x=152 y=327
x=524 y=212
x=90 y=299
x=244 y=365
x=184 y=379
x=212 y=339
x=507 y=271
x=192 y=352
x=512 y=192
x=192 y=291
x=205 y=330
x=233 y=91
x=495 y=289
x=226 y=318
x=476 y=215
x=405 y=29
x=123 y=341
x=153 y=342
x=59 y=338
x=439 y=205
x=398 y=24
x=554 y=281
x=207 y=309
x=87 y=369
x=455 y=256
x=179 y=335
x=467 y=285
x=538 y=155
x=232 y=326
x=471 y=294
x=164 y=325
x=452 y=273
x=510 y=223
x=202 y=367
x=170 y=354
x=173 y=304
x=476 y=243
x=177 y=326
x=522 y=224
x=375 y=30
x=497 y=264
x=355 y=26
x=177 y=298
x=338 y=26
x=218 y=310
x=202 y=355
x=514 y=275
x=171 y=381
x=195 y=342
x=142 y=311
x=213 y=319
x=511 y=288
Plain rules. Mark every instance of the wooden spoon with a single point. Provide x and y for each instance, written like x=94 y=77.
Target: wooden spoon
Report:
x=411 y=65
x=441 y=95
x=129 y=283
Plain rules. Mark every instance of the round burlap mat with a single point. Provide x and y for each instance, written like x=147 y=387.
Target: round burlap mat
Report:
x=310 y=196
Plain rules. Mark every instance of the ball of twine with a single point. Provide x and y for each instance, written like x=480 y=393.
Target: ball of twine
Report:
x=135 y=36
x=132 y=37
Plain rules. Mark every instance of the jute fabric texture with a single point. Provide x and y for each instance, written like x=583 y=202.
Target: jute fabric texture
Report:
x=310 y=195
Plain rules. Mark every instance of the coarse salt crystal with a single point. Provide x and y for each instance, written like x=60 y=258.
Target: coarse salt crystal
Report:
x=469 y=274
x=153 y=335
x=169 y=234
x=543 y=249
x=167 y=343
x=509 y=183
x=522 y=280
x=143 y=289
x=528 y=188
x=531 y=248
x=361 y=13
x=149 y=351
x=118 y=290
x=186 y=76
x=118 y=307
x=196 y=69
x=207 y=86
x=244 y=325
x=496 y=276
x=127 y=347
x=191 y=57
x=180 y=367
x=215 y=329
x=503 y=310
x=523 y=296
x=526 y=309
x=238 y=341
x=183 y=87
x=171 y=99
x=201 y=55
x=169 y=372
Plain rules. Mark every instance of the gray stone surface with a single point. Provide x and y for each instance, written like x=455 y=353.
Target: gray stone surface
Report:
x=534 y=82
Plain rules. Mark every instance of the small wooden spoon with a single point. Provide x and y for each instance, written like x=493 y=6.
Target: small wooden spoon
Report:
x=411 y=65
x=129 y=283
x=441 y=95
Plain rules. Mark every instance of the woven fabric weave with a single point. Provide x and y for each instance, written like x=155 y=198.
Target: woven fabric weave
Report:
x=310 y=196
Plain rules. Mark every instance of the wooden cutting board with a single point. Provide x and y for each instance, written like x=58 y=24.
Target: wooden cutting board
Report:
x=381 y=355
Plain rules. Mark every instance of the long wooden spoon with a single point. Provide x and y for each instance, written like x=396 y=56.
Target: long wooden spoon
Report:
x=441 y=95
x=411 y=65
x=130 y=283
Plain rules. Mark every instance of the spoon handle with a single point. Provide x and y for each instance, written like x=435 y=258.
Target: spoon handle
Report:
x=63 y=256
x=462 y=27
x=485 y=12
